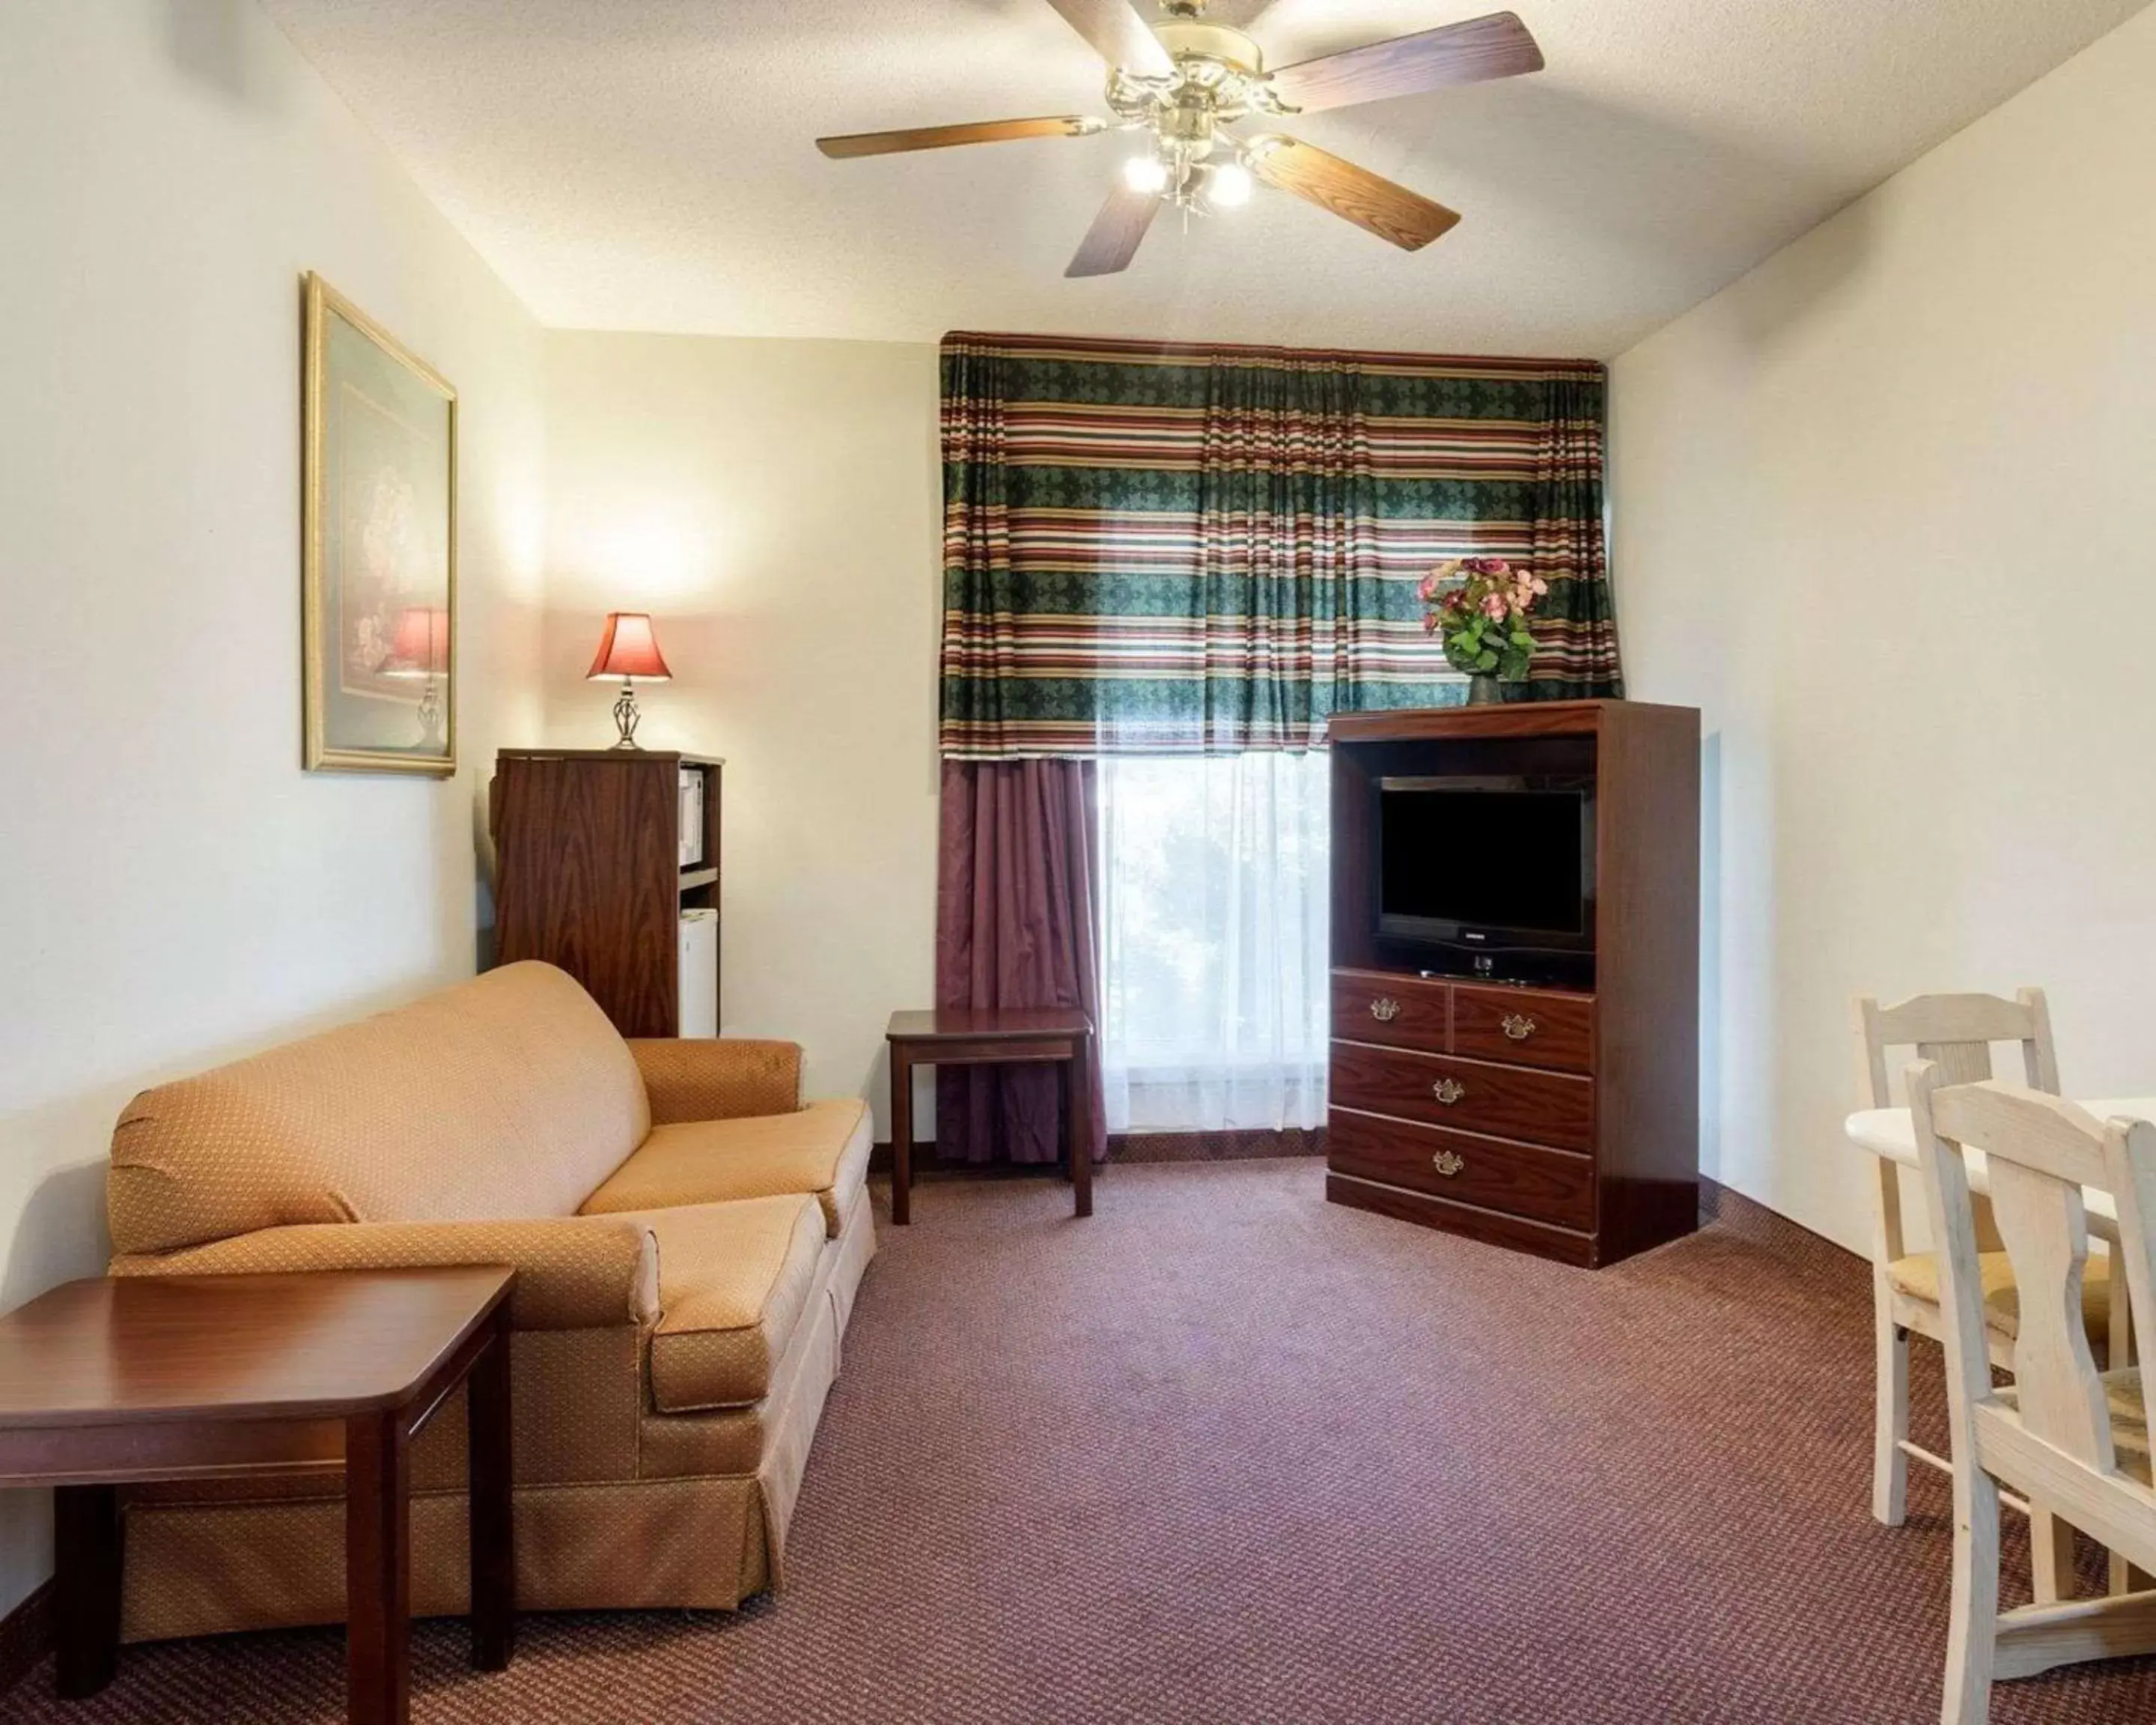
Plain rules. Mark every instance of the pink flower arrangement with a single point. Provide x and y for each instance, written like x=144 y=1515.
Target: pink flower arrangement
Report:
x=1478 y=607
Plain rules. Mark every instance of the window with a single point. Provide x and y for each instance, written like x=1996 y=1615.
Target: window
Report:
x=1213 y=940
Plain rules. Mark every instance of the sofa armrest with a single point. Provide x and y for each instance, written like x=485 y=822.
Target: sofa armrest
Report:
x=572 y=1272
x=722 y=1078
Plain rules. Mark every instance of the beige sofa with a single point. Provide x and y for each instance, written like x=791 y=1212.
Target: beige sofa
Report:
x=687 y=1237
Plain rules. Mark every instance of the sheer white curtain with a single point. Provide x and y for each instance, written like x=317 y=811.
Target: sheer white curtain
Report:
x=1213 y=943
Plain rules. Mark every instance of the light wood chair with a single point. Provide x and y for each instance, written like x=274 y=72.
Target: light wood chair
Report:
x=1955 y=1033
x=2064 y=1433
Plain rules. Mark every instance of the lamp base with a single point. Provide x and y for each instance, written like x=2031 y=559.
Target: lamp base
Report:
x=430 y=716
x=625 y=716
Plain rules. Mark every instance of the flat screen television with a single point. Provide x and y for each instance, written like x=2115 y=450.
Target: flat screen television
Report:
x=1486 y=864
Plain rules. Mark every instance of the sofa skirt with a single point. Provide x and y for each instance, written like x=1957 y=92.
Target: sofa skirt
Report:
x=239 y=1558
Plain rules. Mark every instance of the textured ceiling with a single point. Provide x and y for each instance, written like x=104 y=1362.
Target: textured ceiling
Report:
x=648 y=164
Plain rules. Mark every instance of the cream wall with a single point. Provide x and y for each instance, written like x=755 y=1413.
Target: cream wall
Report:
x=1881 y=510
x=776 y=505
x=173 y=889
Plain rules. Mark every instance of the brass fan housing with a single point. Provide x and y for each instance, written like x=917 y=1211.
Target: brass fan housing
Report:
x=1219 y=77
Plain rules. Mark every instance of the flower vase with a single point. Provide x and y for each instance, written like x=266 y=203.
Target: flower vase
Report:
x=1484 y=690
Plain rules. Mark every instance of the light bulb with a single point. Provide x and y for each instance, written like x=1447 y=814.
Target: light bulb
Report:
x=1146 y=173
x=1229 y=185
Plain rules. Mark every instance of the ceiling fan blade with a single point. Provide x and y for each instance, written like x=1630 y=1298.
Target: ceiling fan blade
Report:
x=1113 y=239
x=1407 y=219
x=1498 y=46
x=942 y=137
x=1119 y=34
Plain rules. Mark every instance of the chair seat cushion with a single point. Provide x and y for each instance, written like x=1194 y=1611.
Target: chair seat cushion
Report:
x=1917 y=1277
x=733 y=1281
x=2129 y=1419
x=821 y=1150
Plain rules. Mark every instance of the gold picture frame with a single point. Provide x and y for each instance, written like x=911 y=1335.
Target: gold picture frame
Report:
x=378 y=587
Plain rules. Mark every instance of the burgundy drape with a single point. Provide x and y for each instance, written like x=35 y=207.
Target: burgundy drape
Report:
x=1017 y=878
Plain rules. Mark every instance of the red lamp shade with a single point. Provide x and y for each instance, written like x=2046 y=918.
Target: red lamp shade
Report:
x=421 y=647
x=628 y=648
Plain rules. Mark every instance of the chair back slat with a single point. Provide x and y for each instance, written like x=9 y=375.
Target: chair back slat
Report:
x=1959 y=1062
x=2045 y=1231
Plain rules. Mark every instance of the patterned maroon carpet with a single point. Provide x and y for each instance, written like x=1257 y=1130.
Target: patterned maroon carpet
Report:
x=1226 y=1452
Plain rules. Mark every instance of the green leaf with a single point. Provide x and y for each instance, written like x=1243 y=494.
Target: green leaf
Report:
x=1486 y=662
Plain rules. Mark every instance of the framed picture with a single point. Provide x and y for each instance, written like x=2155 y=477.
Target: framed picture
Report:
x=379 y=595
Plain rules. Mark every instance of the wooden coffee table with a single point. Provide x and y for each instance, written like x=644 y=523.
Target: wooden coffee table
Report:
x=118 y=1380
x=958 y=1036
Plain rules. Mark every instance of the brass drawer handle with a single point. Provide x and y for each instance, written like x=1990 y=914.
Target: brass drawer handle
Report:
x=1448 y=1163
x=1384 y=1011
x=1448 y=1091
x=1518 y=1029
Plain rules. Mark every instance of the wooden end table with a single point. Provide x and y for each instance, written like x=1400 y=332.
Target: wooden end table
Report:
x=959 y=1036
x=115 y=1381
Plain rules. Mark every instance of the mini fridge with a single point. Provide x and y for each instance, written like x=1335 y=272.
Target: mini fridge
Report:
x=700 y=974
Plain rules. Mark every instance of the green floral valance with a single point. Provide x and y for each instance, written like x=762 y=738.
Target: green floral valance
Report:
x=1153 y=549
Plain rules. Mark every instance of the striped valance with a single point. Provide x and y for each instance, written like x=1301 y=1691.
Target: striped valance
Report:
x=1155 y=549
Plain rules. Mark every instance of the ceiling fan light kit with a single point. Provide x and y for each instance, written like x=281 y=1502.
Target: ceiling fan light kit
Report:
x=1183 y=83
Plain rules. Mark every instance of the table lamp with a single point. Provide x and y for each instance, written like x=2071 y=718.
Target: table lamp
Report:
x=421 y=649
x=629 y=650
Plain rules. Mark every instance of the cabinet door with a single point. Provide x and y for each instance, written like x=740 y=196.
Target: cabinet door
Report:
x=588 y=867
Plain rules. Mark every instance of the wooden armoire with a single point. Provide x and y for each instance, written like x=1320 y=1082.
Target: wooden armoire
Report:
x=1552 y=1108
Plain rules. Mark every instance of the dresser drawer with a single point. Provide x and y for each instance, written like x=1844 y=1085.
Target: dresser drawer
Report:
x=1526 y=1027
x=1401 y=1011
x=1521 y=1180
x=1469 y=1096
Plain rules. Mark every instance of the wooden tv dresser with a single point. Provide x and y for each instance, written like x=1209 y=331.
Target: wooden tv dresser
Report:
x=1562 y=1118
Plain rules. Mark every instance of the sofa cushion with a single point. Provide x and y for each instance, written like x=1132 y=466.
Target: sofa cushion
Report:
x=821 y=1150
x=505 y=1097
x=733 y=1281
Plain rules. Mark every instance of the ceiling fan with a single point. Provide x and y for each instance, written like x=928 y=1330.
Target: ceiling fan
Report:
x=1184 y=80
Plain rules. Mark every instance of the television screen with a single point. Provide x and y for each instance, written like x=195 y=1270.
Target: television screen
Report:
x=1486 y=858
